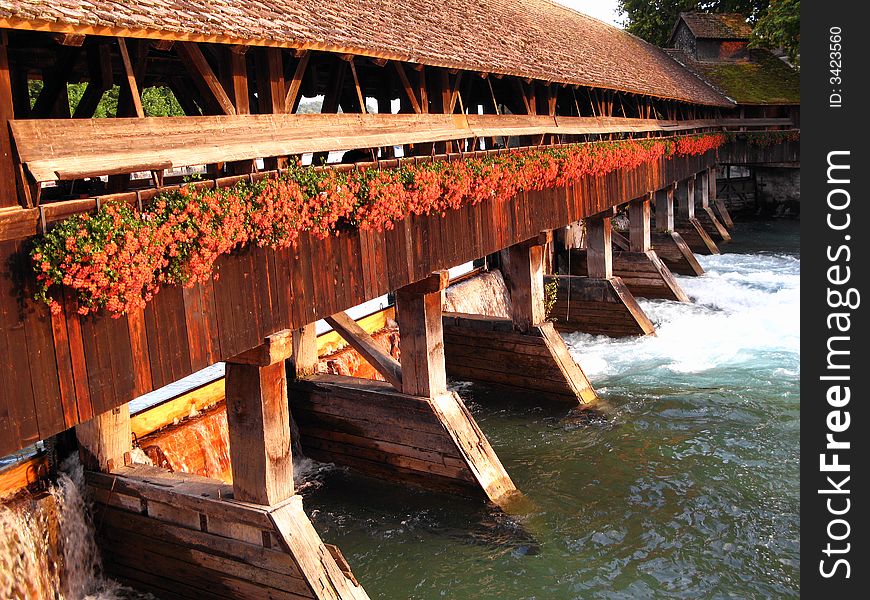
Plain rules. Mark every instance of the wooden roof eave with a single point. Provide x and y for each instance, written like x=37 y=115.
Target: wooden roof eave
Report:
x=179 y=36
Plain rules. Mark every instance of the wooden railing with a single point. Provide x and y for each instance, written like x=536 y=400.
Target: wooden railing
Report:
x=58 y=149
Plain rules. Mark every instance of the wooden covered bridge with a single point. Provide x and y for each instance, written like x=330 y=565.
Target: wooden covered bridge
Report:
x=584 y=118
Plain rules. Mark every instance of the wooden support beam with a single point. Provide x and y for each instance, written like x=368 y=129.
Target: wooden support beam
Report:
x=639 y=224
x=236 y=82
x=291 y=100
x=600 y=250
x=685 y=199
x=258 y=419
x=204 y=78
x=421 y=336
x=105 y=441
x=406 y=85
x=54 y=82
x=275 y=348
x=101 y=80
x=702 y=192
x=8 y=169
x=665 y=210
x=69 y=39
x=359 y=94
x=132 y=85
x=523 y=269
x=366 y=345
x=303 y=361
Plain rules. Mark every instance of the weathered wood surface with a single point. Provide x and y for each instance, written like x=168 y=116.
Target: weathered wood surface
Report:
x=106 y=439
x=259 y=428
x=60 y=370
x=364 y=343
x=599 y=307
x=51 y=149
x=488 y=349
x=644 y=273
x=696 y=236
x=741 y=152
x=712 y=225
x=676 y=254
x=184 y=536
x=371 y=427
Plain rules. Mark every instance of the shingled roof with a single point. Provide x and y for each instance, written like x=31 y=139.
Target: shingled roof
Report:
x=527 y=38
x=764 y=79
x=716 y=26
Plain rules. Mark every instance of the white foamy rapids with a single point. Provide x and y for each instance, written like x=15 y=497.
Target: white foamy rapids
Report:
x=745 y=306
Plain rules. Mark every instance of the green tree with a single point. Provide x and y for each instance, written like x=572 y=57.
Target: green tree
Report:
x=156 y=101
x=780 y=27
x=653 y=20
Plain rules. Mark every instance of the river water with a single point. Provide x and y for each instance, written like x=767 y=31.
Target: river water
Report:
x=686 y=487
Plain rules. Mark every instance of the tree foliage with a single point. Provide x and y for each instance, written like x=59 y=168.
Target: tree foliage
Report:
x=780 y=27
x=653 y=20
x=156 y=101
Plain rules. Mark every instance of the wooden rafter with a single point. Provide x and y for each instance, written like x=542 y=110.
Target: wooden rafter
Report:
x=292 y=98
x=204 y=77
x=132 y=85
x=406 y=84
x=359 y=94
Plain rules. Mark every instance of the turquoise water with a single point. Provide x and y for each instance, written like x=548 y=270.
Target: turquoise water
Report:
x=687 y=487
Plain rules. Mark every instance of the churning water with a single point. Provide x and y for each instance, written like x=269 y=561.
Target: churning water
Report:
x=687 y=487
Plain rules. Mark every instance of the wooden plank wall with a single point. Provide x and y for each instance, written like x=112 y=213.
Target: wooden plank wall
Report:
x=59 y=371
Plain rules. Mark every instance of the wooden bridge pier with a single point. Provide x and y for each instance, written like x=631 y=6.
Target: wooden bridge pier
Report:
x=705 y=213
x=718 y=203
x=667 y=241
x=599 y=302
x=687 y=222
x=523 y=351
x=635 y=262
x=409 y=428
x=185 y=536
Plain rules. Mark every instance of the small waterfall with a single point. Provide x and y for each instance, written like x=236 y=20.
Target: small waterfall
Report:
x=48 y=550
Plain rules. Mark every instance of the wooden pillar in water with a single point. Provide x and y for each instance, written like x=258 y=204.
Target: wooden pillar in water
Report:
x=686 y=199
x=523 y=270
x=600 y=249
x=705 y=213
x=258 y=420
x=421 y=336
x=719 y=203
x=523 y=351
x=665 y=210
x=689 y=227
x=105 y=441
x=639 y=224
x=591 y=299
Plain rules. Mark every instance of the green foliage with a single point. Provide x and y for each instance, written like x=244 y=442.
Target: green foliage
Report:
x=156 y=101
x=780 y=27
x=653 y=20
x=551 y=293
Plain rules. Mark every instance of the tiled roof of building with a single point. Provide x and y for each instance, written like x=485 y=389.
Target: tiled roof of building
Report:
x=717 y=26
x=528 y=38
x=765 y=79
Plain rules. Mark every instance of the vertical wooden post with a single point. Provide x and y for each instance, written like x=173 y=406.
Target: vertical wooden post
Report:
x=711 y=185
x=105 y=439
x=599 y=253
x=523 y=268
x=639 y=224
x=8 y=192
x=686 y=199
x=665 y=210
x=702 y=192
x=258 y=418
x=421 y=336
x=303 y=361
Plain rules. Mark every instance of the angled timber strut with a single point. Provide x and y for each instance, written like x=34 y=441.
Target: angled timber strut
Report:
x=236 y=95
